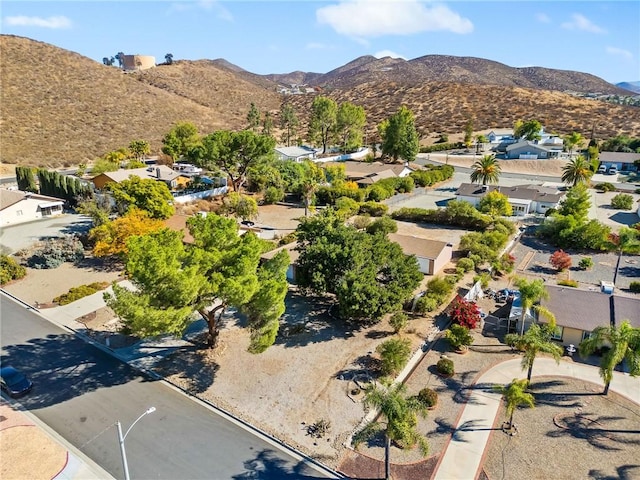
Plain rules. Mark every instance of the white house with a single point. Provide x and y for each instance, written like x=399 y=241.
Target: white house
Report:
x=296 y=154
x=432 y=255
x=623 y=161
x=19 y=207
x=524 y=199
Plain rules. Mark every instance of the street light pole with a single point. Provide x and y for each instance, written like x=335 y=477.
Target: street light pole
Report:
x=121 y=439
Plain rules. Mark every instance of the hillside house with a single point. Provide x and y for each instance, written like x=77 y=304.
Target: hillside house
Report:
x=532 y=150
x=296 y=154
x=174 y=180
x=365 y=174
x=18 y=207
x=431 y=255
x=623 y=161
x=524 y=199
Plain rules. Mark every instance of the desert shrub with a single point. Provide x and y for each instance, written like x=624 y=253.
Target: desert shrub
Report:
x=585 y=263
x=458 y=336
x=346 y=207
x=427 y=397
x=273 y=195
x=460 y=273
x=76 y=293
x=476 y=259
x=398 y=321
x=466 y=264
x=622 y=201
x=361 y=222
x=445 y=366
x=383 y=225
x=377 y=193
x=10 y=269
x=634 y=287
x=568 y=283
x=439 y=288
x=375 y=209
x=53 y=253
x=605 y=187
x=405 y=184
x=426 y=304
x=287 y=239
x=394 y=355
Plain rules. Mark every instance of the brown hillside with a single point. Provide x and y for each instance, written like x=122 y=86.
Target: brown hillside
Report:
x=60 y=108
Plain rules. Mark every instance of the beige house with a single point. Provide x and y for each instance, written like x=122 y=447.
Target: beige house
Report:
x=432 y=255
x=174 y=180
x=524 y=199
x=19 y=207
x=365 y=173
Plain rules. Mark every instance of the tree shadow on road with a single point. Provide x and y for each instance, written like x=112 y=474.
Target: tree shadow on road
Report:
x=267 y=466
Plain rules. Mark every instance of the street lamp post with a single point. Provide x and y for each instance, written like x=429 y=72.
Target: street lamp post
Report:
x=121 y=439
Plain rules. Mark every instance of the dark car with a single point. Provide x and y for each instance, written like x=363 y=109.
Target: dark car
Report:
x=13 y=382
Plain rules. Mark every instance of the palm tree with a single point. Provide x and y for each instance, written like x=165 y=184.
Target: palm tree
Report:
x=531 y=292
x=536 y=340
x=623 y=343
x=486 y=170
x=400 y=413
x=578 y=170
x=627 y=240
x=573 y=140
x=514 y=395
x=308 y=189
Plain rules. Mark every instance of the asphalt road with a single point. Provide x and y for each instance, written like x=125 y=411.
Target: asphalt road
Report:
x=80 y=392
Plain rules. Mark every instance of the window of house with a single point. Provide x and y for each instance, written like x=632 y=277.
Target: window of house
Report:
x=557 y=335
x=586 y=335
x=19 y=213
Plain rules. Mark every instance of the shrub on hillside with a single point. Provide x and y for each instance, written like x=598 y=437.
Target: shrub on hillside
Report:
x=398 y=321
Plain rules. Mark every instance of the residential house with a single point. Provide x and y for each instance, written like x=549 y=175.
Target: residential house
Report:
x=293 y=259
x=623 y=161
x=532 y=150
x=187 y=169
x=18 y=207
x=432 y=255
x=524 y=199
x=365 y=174
x=174 y=180
x=296 y=154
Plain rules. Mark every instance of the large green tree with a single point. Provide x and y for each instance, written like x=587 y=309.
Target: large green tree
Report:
x=538 y=339
x=180 y=140
x=139 y=148
x=350 y=122
x=578 y=170
x=288 y=123
x=26 y=179
x=150 y=195
x=623 y=343
x=401 y=415
x=173 y=280
x=495 y=203
x=399 y=136
x=369 y=275
x=323 y=122
x=576 y=203
x=572 y=141
x=241 y=206
x=486 y=170
x=515 y=395
x=253 y=118
x=529 y=130
x=235 y=152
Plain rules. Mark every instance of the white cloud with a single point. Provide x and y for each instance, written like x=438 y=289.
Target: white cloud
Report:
x=543 y=18
x=209 y=5
x=55 y=22
x=388 y=53
x=365 y=18
x=580 y=22
x=619 y=52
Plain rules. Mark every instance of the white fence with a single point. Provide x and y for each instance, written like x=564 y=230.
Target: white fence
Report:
x=199 y=195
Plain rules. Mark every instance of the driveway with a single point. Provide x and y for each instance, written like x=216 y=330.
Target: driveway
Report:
x=16 y=237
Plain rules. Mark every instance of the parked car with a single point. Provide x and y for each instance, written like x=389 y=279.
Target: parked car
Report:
x=13 y=382
x=613 y=170
x=602 y=169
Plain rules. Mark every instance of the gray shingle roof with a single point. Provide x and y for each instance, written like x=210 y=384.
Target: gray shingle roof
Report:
x=521 y=192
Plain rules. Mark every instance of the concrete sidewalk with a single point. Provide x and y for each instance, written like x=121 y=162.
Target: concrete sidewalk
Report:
x=463 y=456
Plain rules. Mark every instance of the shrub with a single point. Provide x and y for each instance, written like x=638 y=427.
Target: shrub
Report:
x=622 y=201
x=585 y=263
x=605 y=187
x=398 y=321
x=287 y=239
x=76 y=293
x=10 y=269
x=465 y=313
x=375 y=209
x=428 y=397
x=634 y=287
x=445 y=366
x=439 y=288
x=568 y=283
x=394 y=355
x=466 y=264
x=273 y=195
x=426 y=304
x=55 y=252
x=458 y=336
x=383 y=225
x=560 y=260
x=361 y=222
x=483 y=278
x=346 y=207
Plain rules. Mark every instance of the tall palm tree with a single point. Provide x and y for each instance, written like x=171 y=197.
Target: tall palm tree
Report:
x=400 y=413
x=623 y=343
x=627 y=240
x=578 y=170
x=486 y=170
x=515 y=395
x=531 y=292
x=536 y=340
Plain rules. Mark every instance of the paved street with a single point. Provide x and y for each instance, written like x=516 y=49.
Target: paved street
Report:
x=81 y=391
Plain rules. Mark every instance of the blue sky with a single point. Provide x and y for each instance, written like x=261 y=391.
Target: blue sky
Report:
x=601 y=38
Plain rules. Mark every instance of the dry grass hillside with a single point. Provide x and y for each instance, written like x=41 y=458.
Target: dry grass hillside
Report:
x=59 y=108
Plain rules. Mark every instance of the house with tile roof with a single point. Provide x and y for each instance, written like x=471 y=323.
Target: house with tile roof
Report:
x=365 y=173
x=174 y=180
x=524 y=199
x=18 y=207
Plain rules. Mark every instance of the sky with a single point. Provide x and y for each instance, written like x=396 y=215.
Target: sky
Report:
x=280 y=36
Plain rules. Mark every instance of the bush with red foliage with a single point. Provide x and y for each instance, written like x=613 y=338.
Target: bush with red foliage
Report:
x=560 y=260
x=464 y=313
